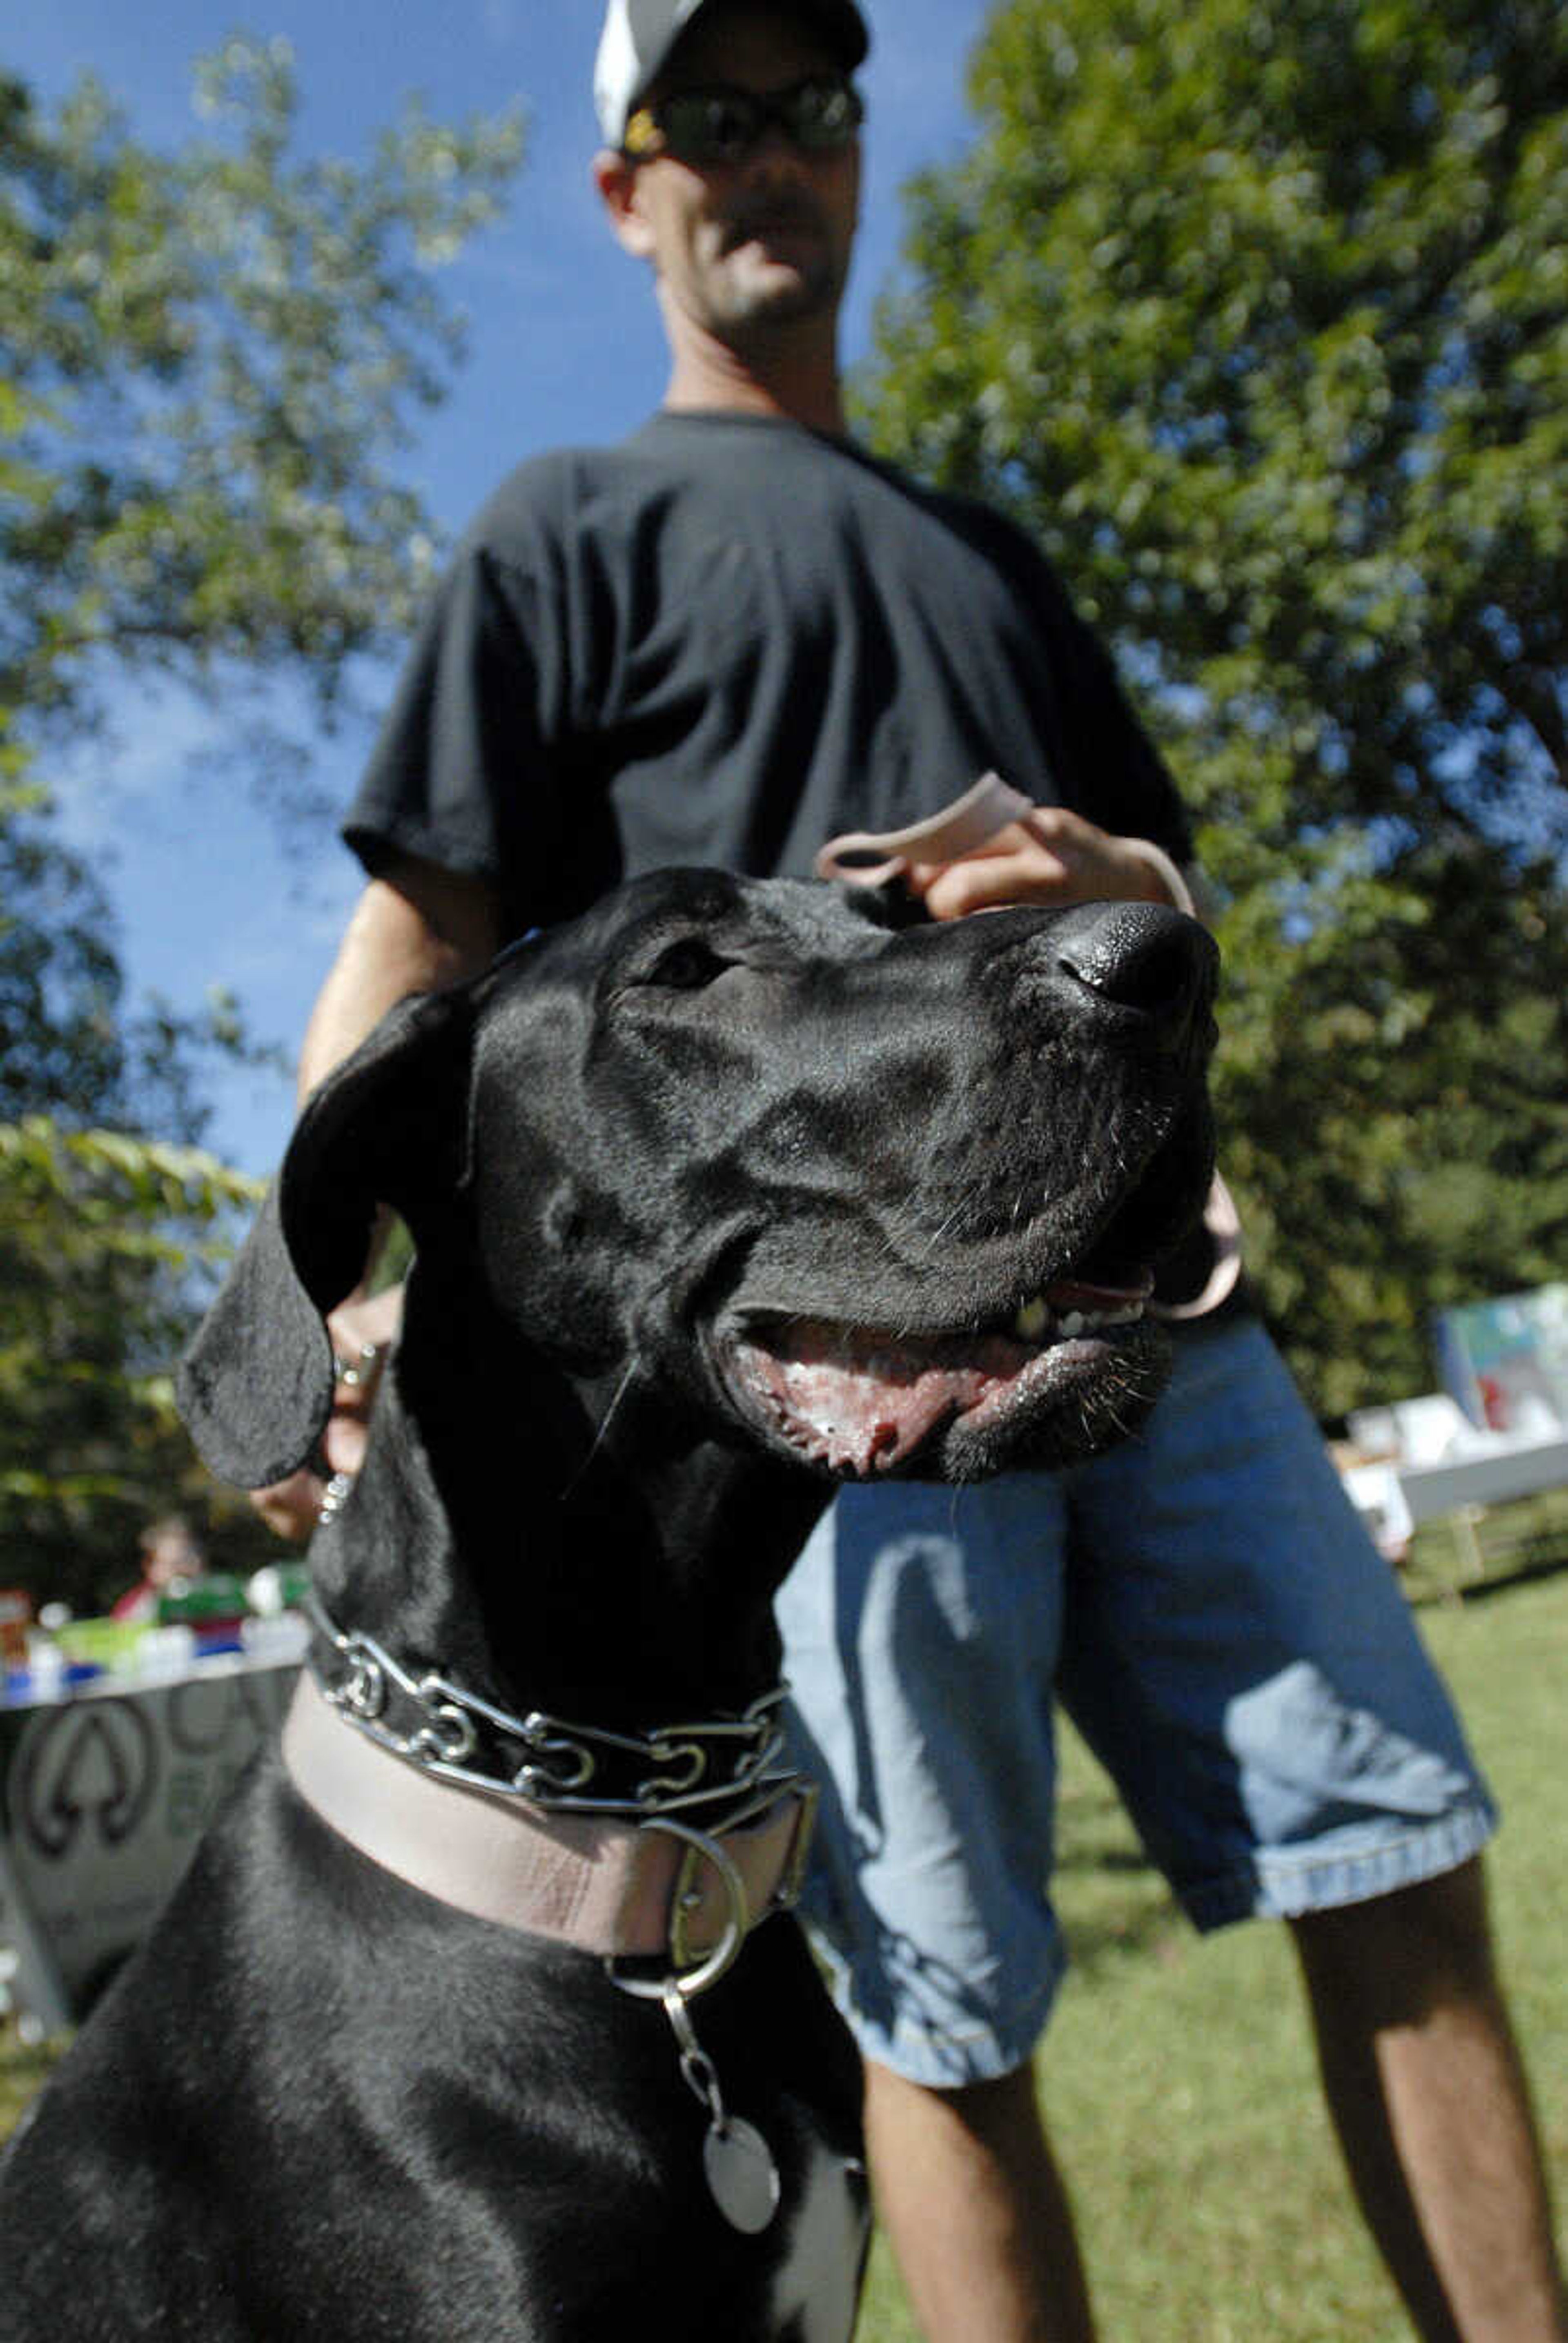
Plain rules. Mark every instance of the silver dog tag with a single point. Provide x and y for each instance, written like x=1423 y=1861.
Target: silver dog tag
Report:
x=741 y=2175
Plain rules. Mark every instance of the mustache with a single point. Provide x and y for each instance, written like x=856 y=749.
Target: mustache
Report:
x=761 y=213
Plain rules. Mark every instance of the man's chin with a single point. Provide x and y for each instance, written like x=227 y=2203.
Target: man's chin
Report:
x=771 y=285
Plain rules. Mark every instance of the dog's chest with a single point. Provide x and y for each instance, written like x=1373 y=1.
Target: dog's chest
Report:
x=816 y=2285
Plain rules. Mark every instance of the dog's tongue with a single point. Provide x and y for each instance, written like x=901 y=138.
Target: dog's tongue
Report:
x=860 y=1409
x=861 y=1403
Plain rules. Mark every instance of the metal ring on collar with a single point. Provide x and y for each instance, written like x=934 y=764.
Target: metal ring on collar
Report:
x=690 y=1982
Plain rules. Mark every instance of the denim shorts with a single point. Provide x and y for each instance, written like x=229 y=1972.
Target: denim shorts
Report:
x=1210 y=1613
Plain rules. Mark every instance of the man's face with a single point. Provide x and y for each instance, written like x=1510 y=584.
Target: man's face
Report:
x=767 y=240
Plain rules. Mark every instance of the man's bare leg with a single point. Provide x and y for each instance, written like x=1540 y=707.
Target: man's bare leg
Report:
x=970 y=2197
x=1432 y=2109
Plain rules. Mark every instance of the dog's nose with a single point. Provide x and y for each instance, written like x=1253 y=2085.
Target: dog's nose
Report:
x=1145 y=959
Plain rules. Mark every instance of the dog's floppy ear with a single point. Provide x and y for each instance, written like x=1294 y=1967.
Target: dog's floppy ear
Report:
x=387 y=1126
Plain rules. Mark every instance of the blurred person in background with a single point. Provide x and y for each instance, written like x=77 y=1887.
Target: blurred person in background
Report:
x=170 y=1555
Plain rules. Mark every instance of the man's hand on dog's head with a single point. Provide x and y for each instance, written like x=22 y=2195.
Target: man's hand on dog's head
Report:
x=1050 y=857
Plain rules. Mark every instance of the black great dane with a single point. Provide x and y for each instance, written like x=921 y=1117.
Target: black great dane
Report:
x=723 y=1192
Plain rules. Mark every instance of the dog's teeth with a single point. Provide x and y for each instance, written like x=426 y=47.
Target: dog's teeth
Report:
x=1037 y=1323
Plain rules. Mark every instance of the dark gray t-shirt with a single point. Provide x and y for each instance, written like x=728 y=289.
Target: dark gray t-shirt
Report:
x=724 y=641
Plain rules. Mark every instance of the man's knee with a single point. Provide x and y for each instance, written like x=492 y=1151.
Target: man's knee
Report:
x=1400 y=1955
x=1004 y=2108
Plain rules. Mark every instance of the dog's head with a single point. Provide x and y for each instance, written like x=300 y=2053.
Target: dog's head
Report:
x=878 y=1198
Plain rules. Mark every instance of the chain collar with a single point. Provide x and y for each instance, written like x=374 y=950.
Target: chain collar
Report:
x=540 y=1760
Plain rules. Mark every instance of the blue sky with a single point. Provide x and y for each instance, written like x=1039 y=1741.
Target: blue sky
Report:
x=564 y=345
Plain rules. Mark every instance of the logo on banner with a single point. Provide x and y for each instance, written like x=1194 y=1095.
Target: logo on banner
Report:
x=87 y=1774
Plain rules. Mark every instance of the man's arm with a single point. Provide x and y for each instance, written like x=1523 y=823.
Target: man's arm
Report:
x=416 y=929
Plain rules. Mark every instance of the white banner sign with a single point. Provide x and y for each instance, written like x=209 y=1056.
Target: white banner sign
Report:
x=105 y=1795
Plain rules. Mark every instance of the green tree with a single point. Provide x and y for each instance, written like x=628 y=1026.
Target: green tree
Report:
x=108 y=1238
x=212 y=362
x=101 y=1236
x=1257 y=315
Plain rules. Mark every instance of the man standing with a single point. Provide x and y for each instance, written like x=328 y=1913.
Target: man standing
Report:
x=725 y=641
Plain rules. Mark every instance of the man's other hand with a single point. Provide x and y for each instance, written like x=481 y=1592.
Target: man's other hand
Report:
x=362 y=1330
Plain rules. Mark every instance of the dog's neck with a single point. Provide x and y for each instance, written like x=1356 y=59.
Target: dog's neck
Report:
x=582 y=1551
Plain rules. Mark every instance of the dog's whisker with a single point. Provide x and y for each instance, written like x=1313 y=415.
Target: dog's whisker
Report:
x=922 y=1253
x=621 y=1389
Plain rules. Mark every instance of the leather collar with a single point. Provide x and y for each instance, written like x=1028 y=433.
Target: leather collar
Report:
x=618 y=1889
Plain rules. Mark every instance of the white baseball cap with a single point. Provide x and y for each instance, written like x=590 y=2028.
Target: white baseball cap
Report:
x=639 y=35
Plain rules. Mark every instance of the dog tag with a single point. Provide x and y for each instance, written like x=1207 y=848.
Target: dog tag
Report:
x=741 y=2175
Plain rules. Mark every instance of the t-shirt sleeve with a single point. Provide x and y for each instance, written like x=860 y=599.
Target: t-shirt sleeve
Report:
x=466 y=771
x=1105 y=765
x=1115 y=774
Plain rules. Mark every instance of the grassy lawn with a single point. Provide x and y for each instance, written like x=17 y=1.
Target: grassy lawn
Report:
x=1178 y=2080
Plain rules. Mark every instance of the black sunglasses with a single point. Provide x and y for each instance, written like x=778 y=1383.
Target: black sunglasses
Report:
x=723 y=124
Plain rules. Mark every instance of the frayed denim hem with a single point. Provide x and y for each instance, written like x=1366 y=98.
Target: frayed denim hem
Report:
x=944 y=2056
x=1278 y=1886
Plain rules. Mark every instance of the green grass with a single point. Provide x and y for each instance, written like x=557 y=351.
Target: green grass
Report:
x=1178 y=2076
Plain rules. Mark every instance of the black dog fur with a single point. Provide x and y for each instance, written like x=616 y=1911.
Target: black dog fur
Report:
x=634 y=1156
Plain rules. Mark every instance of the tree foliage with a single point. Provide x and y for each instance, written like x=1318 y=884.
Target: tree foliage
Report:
x=211 y=363
x=109 y=1238
x=1257 y=315
x=212 y=359
x=102 y=1238
x=71 y=1046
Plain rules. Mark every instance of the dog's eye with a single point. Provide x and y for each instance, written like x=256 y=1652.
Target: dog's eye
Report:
x=686 y=966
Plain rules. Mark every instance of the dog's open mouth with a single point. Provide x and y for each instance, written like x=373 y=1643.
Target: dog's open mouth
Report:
x=859 y=1401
